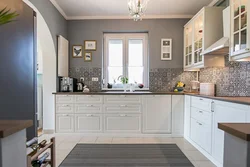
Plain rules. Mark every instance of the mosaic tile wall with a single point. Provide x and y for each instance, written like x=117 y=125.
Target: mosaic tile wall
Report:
x=165 y=79
x=232 y=80
x=88 y=73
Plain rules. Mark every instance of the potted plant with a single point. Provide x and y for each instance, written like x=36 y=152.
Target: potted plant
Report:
x=124 y=81
x=6 y=16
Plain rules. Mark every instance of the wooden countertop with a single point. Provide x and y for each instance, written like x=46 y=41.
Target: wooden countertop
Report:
x=9 y=127
x=240 y=130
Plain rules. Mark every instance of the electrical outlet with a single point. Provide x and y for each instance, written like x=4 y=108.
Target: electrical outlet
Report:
x=82 y=79
x=95 y=79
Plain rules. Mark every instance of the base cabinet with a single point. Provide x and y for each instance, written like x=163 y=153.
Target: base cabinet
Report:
x=65 y=123
x=121 y=123
x=225 y=113
x=88 y=123
x=157 y=114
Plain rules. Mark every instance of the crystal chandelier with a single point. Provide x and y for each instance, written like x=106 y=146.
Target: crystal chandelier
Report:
x=137 y=8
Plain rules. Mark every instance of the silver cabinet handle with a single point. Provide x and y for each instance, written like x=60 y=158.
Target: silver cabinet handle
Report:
x=123 y=105
x=201 y=99
x=89 y=105
x=200 y=112
x=65 y=115
x=123 y=115
x=89 y=115
x=212 y=106
x=247 y=49
x=199 y=123
x=65 y=105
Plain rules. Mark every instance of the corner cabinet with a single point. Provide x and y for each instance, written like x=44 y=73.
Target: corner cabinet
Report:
x=240 y=38
x=204 y=29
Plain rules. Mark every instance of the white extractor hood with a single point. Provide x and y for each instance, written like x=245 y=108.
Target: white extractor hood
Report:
x=221 y=47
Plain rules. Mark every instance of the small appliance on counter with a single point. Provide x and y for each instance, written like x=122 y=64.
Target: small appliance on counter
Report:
x=67 y=84
x=80 y=86
x=207 y=89
x=195 y=86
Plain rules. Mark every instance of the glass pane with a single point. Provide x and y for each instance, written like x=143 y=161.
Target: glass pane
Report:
x=243 y=20
x=190 y=59
x=200 y=43
x=186 y=50
x=200 y=57
x=114 y=73
x=236 y=8
x=115 y=52
x=196 y=45
x=190 y=49
x=236 y=42
x=236 y=24
x=135 y=74
x=186 y=60
x=243 y=43
x=135 y=53
x=196 y=57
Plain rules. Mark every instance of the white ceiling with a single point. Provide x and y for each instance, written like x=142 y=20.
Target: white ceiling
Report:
x=117 y=9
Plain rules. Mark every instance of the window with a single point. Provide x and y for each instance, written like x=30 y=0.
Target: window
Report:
x=125 y=55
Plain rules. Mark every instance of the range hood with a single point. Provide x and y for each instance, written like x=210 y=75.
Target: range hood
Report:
x=221 y=47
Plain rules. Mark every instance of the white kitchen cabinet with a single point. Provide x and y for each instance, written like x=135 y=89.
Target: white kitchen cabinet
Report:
x=225 y=112
x=203 y=30
x=187 y=116
x=240 y=27
x=63 y=56
x=65 y=99
x=64 y=108
x=177 y=115
x=128 y=99
x=88 y=99
x=64 y=123
x=88 y=123
x=157 y=111
x=88 y=108
x=123 y=123
x=201 y=103
x=123 y=108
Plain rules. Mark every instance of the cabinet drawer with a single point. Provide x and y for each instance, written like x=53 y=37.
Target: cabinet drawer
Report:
x=122 y=99
x=64 y=99
x=201 y=115
x=88 y=108
x=89 y=99
x=88 y=123
x=201 y=103
x=119 y=123
x=64 y=123
x=122 y=108
x=64 y=108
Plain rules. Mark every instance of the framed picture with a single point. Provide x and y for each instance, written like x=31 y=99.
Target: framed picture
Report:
x=166 y=49
x=88 y=56
x=90 y=45
x=77 y=51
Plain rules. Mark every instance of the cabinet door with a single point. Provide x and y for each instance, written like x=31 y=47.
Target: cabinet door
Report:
x=64 y=99
x=88 y=123
x=178 y=115
x=187 y=116
x=64 y=108
x=240 y=27
x=89 y=99
x=224 y=113
x=123 y=123
x=121 y=99
x=65 y=123
x=188 y=42
x=157 y=114
x=88 y=108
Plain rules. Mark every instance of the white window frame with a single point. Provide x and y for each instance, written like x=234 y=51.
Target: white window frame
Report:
x=126 y=37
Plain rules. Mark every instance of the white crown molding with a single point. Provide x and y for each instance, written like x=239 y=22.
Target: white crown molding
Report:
x=213 y=2
x=59 y=9
x=128 y=17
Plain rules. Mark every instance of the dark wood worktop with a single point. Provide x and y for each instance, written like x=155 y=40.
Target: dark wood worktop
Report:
x=9 y=127
x=240 y=130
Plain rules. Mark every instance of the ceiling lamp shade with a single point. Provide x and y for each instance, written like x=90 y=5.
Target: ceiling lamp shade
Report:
x=137 y=8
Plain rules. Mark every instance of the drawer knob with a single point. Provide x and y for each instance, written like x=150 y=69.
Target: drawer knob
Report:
x=65 y=105
x=200 y=112
x=89 y=115
x=123 y=115
x=201 y=99
x=89 y=105
x=65 y=115
x=247 y=49
x=199 y=123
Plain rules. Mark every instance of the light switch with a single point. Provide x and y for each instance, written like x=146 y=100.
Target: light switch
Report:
x=95 y=79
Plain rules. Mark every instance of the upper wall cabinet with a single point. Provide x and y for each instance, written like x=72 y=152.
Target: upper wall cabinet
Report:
x=240 y=38
x=205 y=28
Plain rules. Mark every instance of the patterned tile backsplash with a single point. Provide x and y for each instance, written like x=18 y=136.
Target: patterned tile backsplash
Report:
x=232 y=80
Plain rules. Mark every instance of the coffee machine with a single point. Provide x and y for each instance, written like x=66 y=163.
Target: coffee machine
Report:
x=67 y=84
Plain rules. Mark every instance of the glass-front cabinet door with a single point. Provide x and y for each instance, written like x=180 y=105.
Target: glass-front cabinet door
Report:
x=198 y=38
x=188 y=31
x=240 y=27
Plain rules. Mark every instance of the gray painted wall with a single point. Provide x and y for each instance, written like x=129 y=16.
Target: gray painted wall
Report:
x=55 y=21
x=78 y=31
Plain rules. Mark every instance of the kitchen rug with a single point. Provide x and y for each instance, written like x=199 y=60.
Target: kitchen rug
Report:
x=126 y=155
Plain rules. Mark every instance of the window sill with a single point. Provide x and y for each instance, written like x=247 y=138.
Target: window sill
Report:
x=121 y=89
